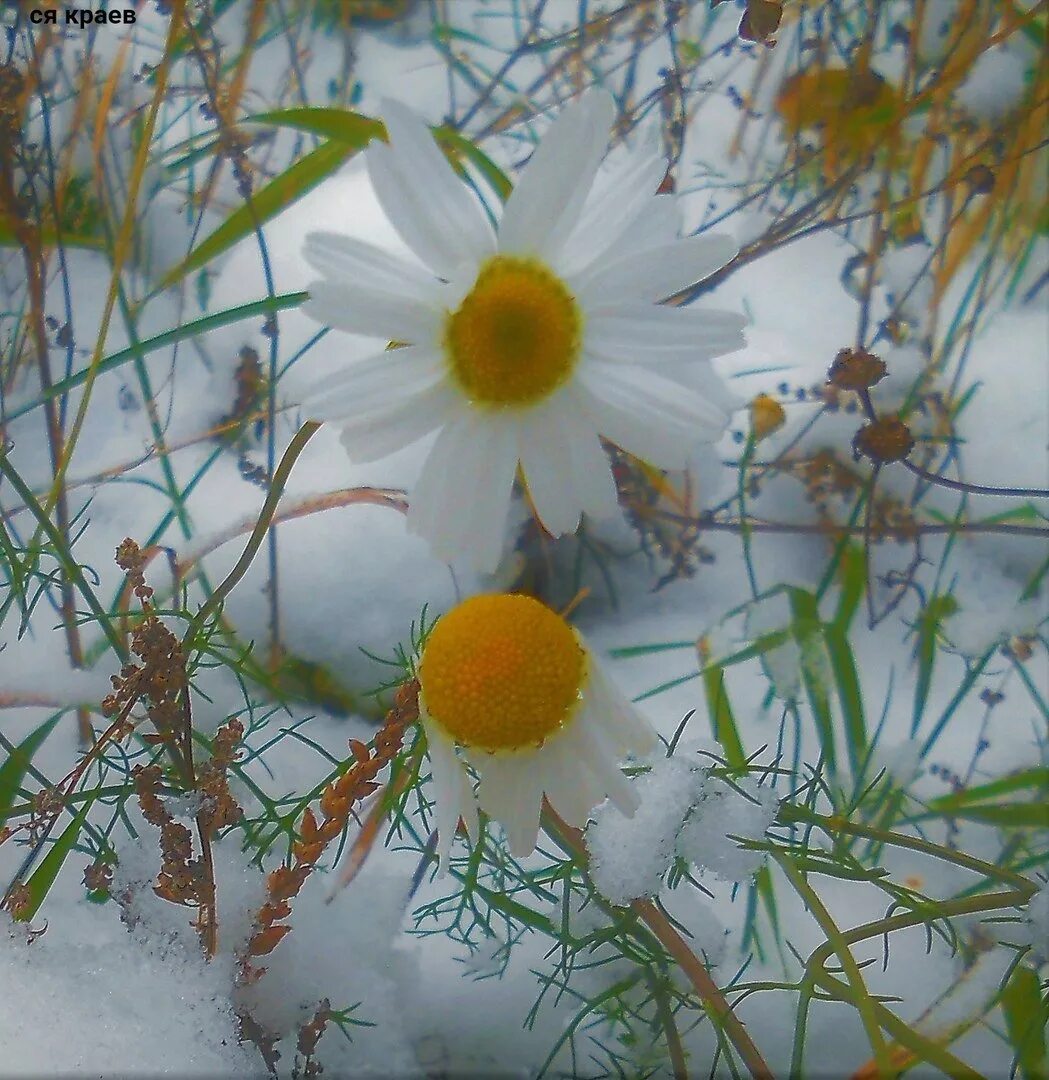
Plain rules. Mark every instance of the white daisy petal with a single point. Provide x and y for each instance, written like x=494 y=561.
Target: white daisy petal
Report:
x=701 y=378
x=460 y=502
x=359 y=309
x=623 y=401
x=628 y=730
x=658 y=333
x=658 y=223
x=558 y=178
x=381 y=433
x=571 y=790
x=403 y=200
x=358 y=262
x=490 y=499
x=654 y=273
x=374 y=383
x=608 y=215
x=597 y=754
x=594 y=754
x=450 y=783
x=467 y=230
x=564 y=466
x=510 y=792
x=665 y=446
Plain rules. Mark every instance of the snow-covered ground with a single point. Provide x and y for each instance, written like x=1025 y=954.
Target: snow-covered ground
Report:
x=114 y=983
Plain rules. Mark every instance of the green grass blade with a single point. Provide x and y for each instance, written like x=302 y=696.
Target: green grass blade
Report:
x=39 y=885
x=170 y=337
x=14 y=768
x=266 y=204
x=722 y=720
x=1026 y=1015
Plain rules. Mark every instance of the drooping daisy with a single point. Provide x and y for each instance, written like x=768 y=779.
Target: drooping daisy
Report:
x=509 y=687
x=525 y=342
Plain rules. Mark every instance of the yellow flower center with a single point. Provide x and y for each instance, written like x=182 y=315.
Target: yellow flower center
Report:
x=516 y=336
x=501 y=672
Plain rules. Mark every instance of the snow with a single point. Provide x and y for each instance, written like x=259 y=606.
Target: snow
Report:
x=629 y=856
x=124 y=980
x=727 y=814
x=117 y=1003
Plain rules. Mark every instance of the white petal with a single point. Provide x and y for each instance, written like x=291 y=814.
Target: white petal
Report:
x=659 y=333
x=360 y=263
x=564 y=465
x=465 y=225
x=654 y=399
x=461 y=500
x=658 y=223
x=556 y=181
x=599 y=755
x=594 y=751
x=701 y=378
x=572 y=790
x=668 y=446
x=359 y=309
x=652 y=274
x=373 y=383
x=609 y=212
x=451 y=791
x=379 y=434
x=403 y=200
x=510 y=790
x=629 y=732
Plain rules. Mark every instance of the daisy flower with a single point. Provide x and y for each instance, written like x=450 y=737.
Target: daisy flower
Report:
x=508 y=687
x=522 y=343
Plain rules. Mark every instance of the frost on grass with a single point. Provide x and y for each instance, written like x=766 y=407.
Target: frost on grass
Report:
x=684 y=812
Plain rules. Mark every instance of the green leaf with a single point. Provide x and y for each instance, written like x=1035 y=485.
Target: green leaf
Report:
x=39 y=885
x=348 y=126
x=1036 y=779
x=1033 y=815
x=345 y=125
x=14 y=768
x=1025 y=1018
x=49 y=238
x=929 y=624
x=722 y=721
x=808 y=632
x=852 y=570
x=267 y=203
x=850 y=697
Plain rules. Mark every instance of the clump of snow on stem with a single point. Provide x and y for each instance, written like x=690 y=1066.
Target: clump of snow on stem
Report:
x=684 y=812
x=745 y=810
x=629 y=856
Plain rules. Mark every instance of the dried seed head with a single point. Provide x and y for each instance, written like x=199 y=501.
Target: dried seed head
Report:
x=856 y=370
x=886 y=439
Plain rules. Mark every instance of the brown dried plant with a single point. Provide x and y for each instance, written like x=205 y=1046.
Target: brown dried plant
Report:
x=336 y=804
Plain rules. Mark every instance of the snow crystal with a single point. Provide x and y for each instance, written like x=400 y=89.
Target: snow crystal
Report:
x=725 y=812
x=629 y=856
